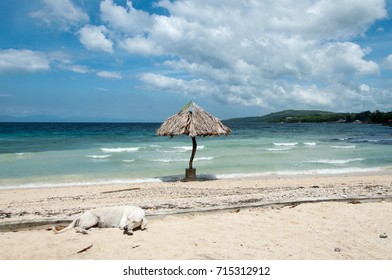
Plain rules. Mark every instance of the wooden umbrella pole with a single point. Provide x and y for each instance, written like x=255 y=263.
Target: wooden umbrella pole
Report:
x=193 y=152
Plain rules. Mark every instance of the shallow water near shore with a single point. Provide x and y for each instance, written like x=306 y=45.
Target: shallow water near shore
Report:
x=67 y=154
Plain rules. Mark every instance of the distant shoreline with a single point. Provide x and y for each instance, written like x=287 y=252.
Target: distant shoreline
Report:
x=312 y=116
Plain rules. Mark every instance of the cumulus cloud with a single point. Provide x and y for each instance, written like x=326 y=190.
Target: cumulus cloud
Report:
x=60 y=13
x=94 y=38
x=388 y=62
x=342 y=19
x=252 y=53
x=179 y=85
x=341 y=59
x=267 y=54
x=126 y=19
x=15 y=61
x=80 y=69
x=109 y=75
x=141 y=45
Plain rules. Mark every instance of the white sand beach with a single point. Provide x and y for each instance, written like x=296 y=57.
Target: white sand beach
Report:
x=305 y=218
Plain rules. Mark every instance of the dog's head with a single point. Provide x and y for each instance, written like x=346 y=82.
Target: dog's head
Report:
x=135 y=222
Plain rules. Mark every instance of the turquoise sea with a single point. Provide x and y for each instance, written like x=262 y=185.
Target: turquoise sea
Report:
x=67 y=154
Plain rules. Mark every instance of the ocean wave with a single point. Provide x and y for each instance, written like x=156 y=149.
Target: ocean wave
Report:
x=188 y=148
x=344 y=147
x=154 y=146
x=128 y=160
x=80 y=184
x=343 y=138
x=286 y=144
x=310 y=143
x=22 y=155
x=166 y=160
x=99 y=156
x=120 y=150
x=183 y=160
x=280 y=148
x=334 y=161
x=203 y=158
x=335 y=171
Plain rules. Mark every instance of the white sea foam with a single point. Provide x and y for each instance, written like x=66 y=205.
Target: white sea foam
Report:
x=204 y=158
x=344 y=147
x=334 y=161
x=189 y=148
x=218 y=176
x=280 y=148
x=155 y=146
x=120 y=150
x=99 y=156
x=182 y=159
x=128 y=160
x=81 y=183
x=23 y=155
x=168 y=160
x=286 y=144
x=310 y=143
x=335 y=171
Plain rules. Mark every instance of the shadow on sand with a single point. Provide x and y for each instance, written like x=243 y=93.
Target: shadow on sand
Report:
x=181 y=178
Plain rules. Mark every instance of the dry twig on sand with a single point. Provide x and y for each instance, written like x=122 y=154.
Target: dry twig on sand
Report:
x=85 y=249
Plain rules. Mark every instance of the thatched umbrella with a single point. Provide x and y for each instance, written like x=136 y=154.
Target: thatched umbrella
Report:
x=193 y=121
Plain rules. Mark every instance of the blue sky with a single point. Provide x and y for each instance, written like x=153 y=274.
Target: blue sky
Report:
x=143 y=60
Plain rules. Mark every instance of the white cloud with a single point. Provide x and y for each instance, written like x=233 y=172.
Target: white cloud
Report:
x=364 y=87
x=80 y=69
x=340 y=60
x=178 y=85
x=343 y=19
x=60 y=13
x=126 y=19
x=141 y=45
x=270 y=54
x=15 y=61
x=65 y=61
x=388 y=62
x=267 y=54
x=109 y=75
x=94 y=38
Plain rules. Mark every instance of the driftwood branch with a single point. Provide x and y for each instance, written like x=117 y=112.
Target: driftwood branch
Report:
x=123 y=190
x=85 y=249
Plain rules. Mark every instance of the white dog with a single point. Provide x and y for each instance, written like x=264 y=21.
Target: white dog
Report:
x=126 y=218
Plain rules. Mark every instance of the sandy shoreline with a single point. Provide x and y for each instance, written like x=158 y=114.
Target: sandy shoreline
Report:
x=263 y=218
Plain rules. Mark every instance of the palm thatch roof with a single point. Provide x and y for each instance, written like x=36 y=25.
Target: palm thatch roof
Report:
x=193 y=121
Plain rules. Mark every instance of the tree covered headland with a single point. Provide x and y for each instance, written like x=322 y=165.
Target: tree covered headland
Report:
x=308 y=116
x=364 y=117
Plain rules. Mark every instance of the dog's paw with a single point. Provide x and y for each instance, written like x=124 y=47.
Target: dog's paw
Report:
x=82 y=231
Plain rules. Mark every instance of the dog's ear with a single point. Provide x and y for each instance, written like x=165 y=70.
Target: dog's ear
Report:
x=144 y=223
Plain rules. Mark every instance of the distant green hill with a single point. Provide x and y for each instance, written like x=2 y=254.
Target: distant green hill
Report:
x=313 y=116
x=283 y=116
